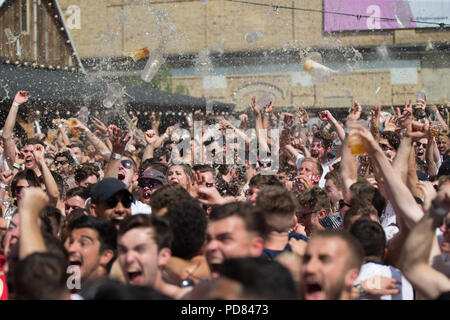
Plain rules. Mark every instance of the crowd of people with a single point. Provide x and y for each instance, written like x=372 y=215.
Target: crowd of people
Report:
x=338 y=209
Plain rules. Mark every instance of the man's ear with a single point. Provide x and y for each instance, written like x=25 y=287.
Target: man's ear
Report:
x=322 y=214
x=136 y=177
x=92 y=207
x=351 y=277
x=105 y=257
x=257 y=246
x=164 y=256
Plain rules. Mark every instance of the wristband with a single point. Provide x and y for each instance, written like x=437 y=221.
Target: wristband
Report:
x=106 y=134
x=4 y=186
x=116 y=156
x=17 y=166
x=166 y=135
x=15 y=104
x=86 y=130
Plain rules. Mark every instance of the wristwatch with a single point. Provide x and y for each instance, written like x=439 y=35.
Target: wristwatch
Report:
x=360 y=289
x=116 y=156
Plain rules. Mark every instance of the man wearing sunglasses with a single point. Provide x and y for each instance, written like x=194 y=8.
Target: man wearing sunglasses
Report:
x=150 y=181
x=111 y=200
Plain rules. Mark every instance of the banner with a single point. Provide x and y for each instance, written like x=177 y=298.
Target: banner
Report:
x=402 y=12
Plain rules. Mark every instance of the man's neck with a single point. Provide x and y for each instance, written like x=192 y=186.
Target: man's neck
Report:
x=276 y=240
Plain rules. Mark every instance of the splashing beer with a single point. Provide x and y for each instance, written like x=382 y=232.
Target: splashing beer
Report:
x=138 y=54
x=74 y=131
x=318 y=71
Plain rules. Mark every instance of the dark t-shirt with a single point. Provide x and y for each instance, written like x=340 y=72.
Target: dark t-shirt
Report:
x=269 y=254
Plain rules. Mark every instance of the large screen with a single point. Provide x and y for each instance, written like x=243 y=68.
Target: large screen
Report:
x=403 y=13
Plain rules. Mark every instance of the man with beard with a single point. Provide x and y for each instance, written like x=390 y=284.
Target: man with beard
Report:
x=330 y=266
x=110 y=200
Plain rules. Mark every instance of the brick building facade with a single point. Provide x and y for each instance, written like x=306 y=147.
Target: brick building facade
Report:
x=395 y=64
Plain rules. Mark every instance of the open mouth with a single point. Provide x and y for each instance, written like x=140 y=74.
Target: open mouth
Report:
x=147 y=195
x=121 y=176
x=313 y=291
x=134 y=275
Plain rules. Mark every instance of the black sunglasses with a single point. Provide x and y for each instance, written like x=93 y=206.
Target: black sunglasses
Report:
x=19 y=188
x=62 y=162
x=113 y=201
x=150 y=184
x=126 y=163
x=343 y=203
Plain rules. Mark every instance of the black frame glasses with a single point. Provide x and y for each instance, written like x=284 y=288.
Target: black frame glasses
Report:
x=343 y=203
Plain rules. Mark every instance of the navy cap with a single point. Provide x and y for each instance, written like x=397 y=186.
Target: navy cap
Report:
x=106 y=188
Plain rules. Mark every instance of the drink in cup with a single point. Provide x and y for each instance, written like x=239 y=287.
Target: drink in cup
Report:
x=357 y=146
x=72 y=122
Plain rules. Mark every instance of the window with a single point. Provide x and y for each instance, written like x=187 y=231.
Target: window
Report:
x=25 y=16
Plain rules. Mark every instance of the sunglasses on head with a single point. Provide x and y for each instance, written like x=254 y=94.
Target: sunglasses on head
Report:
x=342 y=203
x=113 y=201
x=126 y=163
x=148 y=184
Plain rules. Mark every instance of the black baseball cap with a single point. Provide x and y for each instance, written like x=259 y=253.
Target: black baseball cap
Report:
x=106 y=188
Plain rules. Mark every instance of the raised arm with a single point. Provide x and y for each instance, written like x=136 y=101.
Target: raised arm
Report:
x=31 y=205
x=401 y=198
x=50 y=183
x=7 y=135
x=119 y=142
x=416 y=251
x=326 y=116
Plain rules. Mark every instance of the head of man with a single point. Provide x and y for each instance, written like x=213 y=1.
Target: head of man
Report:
x=372 y=238
x=28 y=148
x=314 y=205
x=389 y=143
x=310 y=169
x=128 y=173
x=111 y=200
x=321 y=145
x=253 y=279
x=162 y=155
x=278 y=207
x=76 y=151
x=144 y=243
x=150 y=181
x=363 y=191
x=11 y=242
x=41 y=276
x=443 y=144
x=188 y=222
x=76 y=199
x=91 y=246
x=86 y=175
x=330 y=266
x=234 y=230
x=167 y=196
x=23 y=180
x=64 y=163
x=207 y=175
x=334 y=187
x=359 y=211
x=420 y=148
x=257 y=183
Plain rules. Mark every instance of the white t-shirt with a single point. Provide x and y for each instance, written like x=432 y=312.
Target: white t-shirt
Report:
x=139 y=207
x=325 y=166
x=389 y=222
x=372 y=269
